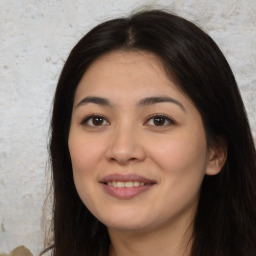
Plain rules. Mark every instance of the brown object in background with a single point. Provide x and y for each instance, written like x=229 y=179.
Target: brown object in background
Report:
x=19 y=251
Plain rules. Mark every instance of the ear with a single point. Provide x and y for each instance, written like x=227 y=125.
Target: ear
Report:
x=217 y=156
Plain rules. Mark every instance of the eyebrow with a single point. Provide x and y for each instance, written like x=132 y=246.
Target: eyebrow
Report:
x=143 y=102
x=95 y=100
x=160 y=99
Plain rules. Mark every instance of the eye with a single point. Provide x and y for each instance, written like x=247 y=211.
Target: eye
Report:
x=95 y=120
x=159 y=120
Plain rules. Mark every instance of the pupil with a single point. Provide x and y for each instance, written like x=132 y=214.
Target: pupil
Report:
x=97 y=121
x=159 y=121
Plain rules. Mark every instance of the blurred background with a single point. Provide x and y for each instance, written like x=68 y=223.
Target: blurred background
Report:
x=36 y=37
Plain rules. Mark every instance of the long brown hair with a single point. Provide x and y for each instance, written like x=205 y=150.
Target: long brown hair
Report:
x=225 y=222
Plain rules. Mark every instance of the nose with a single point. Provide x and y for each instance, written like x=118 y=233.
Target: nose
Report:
x=126 y=146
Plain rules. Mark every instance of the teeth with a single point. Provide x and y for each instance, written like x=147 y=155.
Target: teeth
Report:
x=136 y=184
x=120 y=184
x=127 y=184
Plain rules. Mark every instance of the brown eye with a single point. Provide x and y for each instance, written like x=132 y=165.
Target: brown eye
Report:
x=159 y=120
x=95 y=120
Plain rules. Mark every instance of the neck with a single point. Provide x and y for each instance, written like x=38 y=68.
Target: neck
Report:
x=164 y=241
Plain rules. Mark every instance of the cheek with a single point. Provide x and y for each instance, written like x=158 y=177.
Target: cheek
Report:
x=183 y=159
x=84 y=158
x=181 y=150
x=182 y=163
x=85 y=154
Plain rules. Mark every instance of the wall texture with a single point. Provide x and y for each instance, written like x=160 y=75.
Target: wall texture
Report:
x=36 y=37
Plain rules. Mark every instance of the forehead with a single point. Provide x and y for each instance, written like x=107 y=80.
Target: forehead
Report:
x=136 y=64
x=125 y=70
x=128 y=58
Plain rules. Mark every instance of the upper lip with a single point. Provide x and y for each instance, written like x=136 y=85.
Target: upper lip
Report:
x=126 y=178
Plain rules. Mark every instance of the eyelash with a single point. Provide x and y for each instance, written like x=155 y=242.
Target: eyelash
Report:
x=88 y=118
x=162 y=116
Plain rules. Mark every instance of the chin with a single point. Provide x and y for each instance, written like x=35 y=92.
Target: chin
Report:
x=127 y=227
x=125 y=223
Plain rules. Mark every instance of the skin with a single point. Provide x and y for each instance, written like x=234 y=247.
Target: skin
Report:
x=127 y=139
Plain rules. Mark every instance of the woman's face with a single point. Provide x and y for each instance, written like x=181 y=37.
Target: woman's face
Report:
x=137 y=144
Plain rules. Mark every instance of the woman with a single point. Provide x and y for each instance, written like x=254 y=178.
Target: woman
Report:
x=151 y=149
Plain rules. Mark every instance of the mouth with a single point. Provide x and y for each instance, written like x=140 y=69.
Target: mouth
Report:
x=126 y=186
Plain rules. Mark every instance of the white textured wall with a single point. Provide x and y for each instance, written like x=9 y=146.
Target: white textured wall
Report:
x=36 y=37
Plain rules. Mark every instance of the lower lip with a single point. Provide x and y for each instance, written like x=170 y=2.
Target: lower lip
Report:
x=125 y=193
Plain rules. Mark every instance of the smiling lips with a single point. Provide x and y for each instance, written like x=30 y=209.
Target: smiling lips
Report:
x=126 y=186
